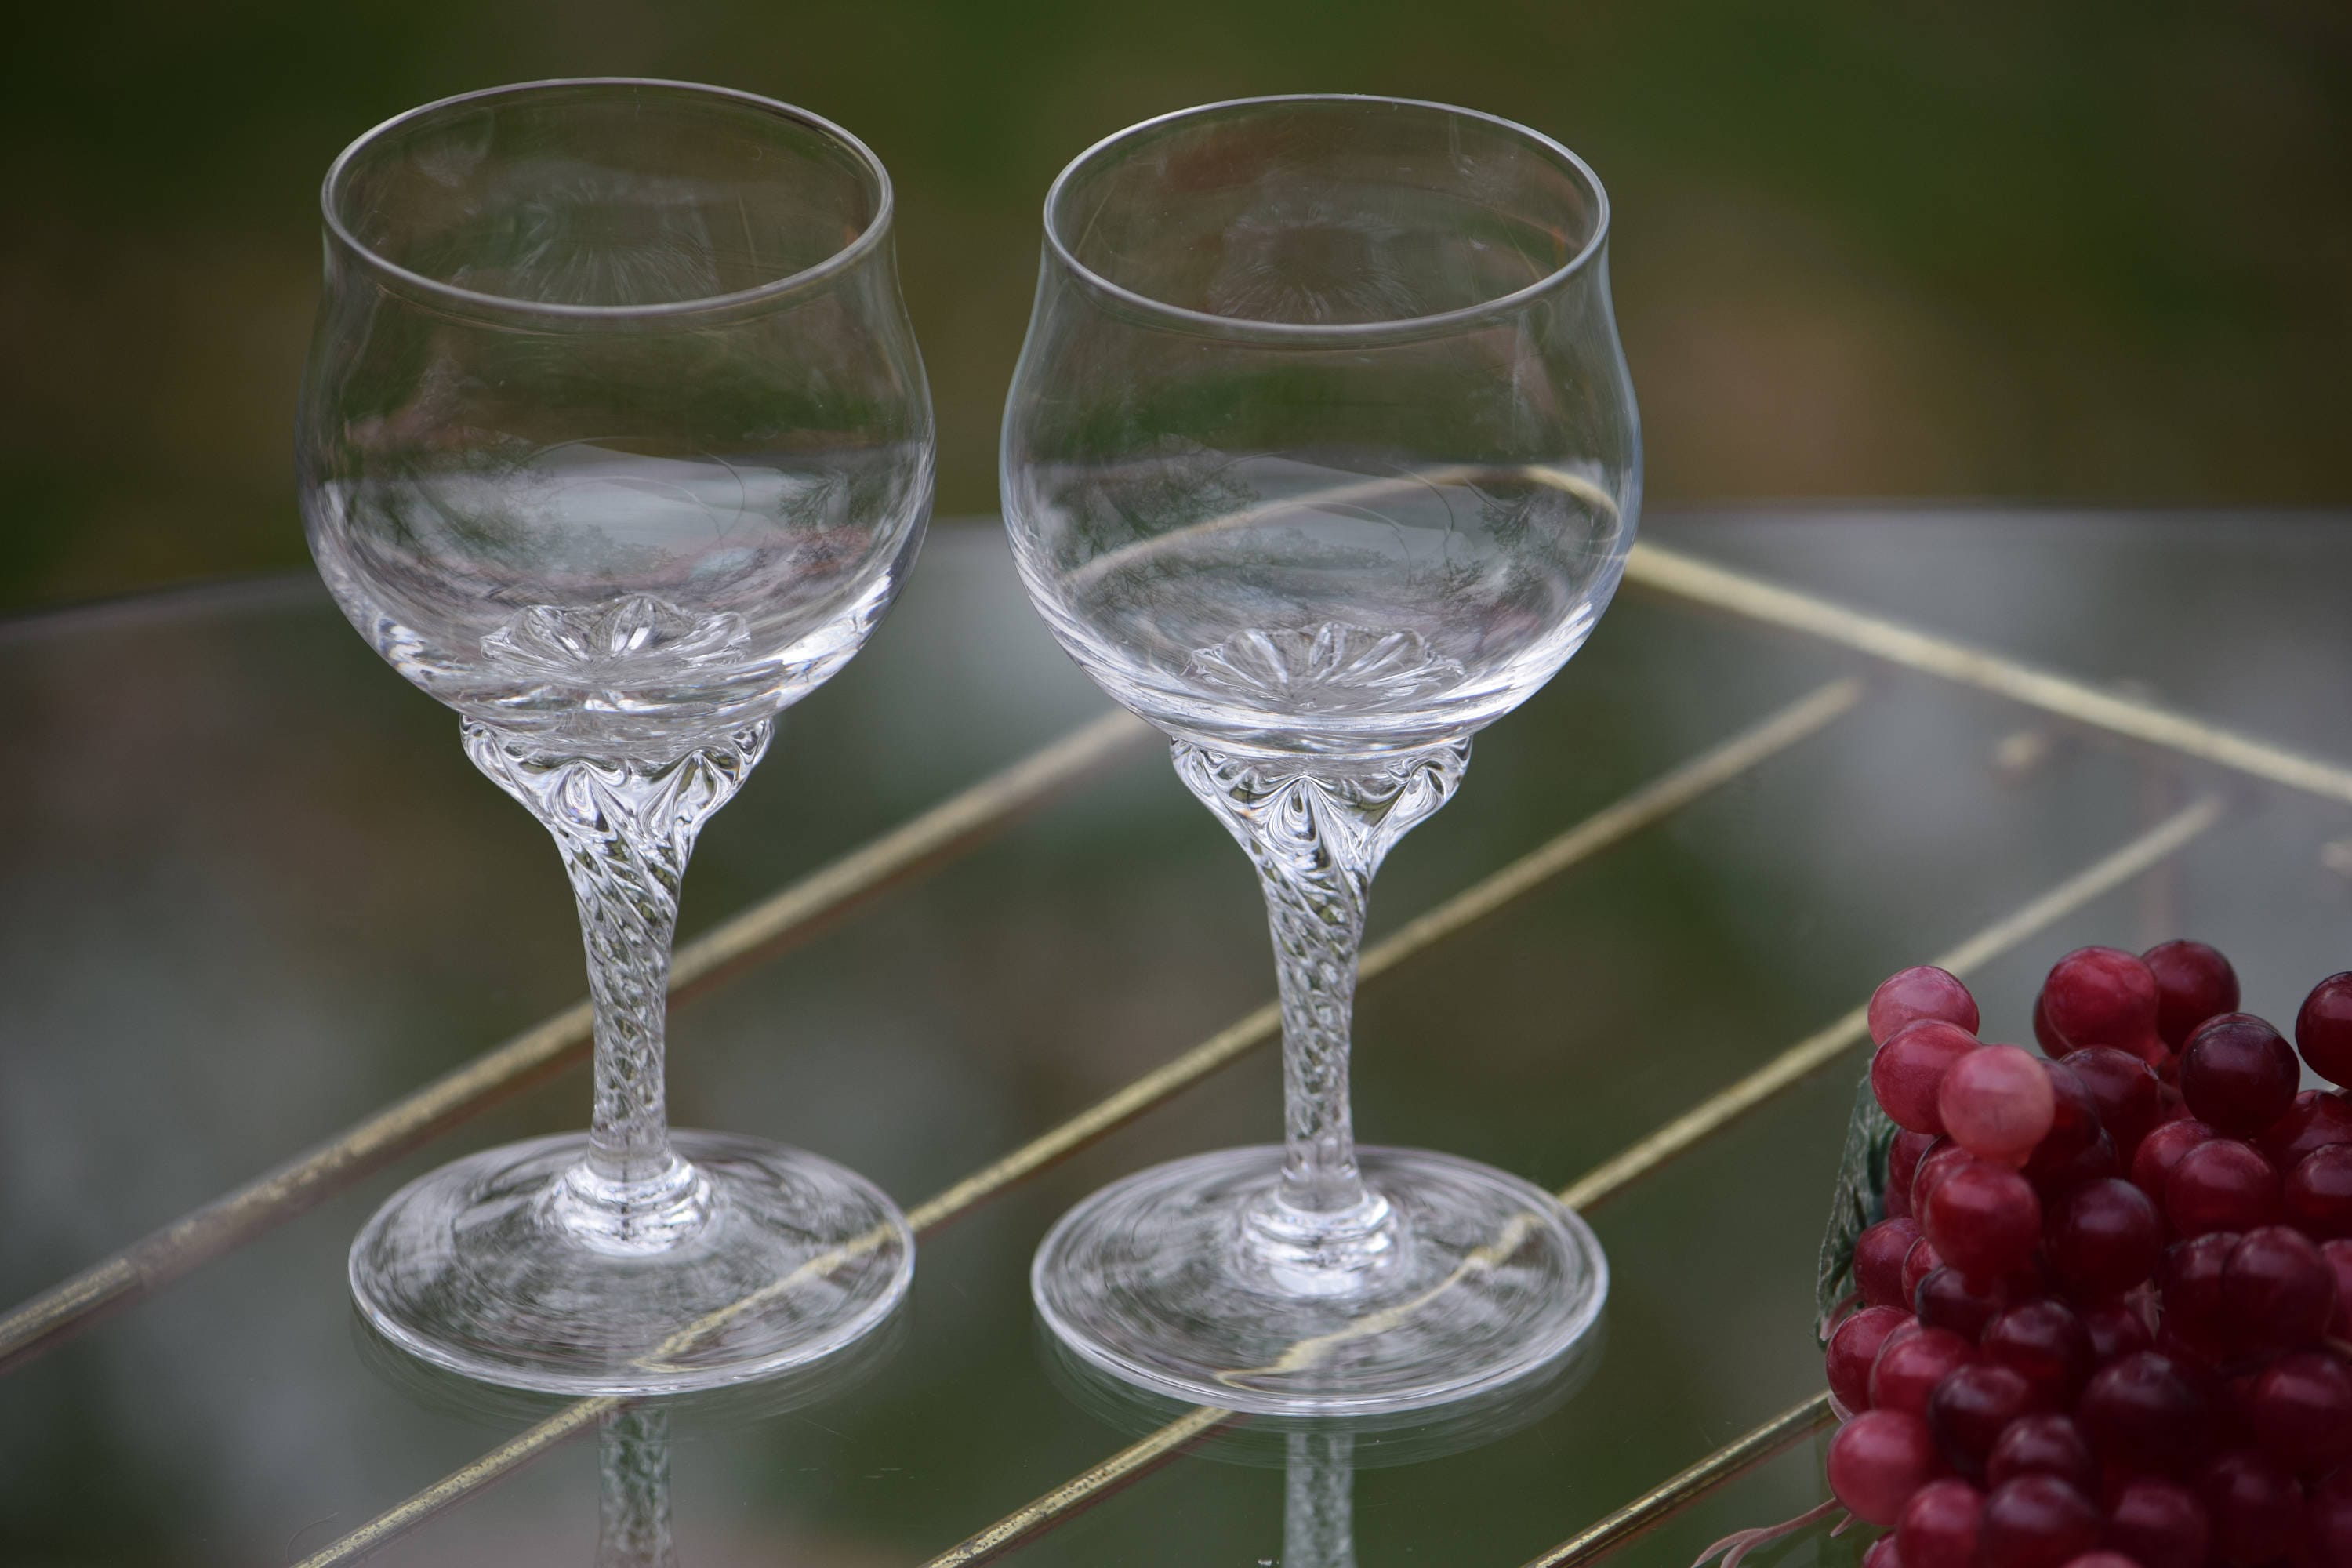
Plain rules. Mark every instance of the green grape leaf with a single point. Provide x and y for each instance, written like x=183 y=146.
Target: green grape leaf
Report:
x=1859 y=1203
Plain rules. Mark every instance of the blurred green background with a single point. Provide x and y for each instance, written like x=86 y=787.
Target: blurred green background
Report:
x=2090 y=251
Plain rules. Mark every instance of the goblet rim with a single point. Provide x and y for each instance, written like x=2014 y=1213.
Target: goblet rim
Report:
x=1345 y=334
x=864 y=243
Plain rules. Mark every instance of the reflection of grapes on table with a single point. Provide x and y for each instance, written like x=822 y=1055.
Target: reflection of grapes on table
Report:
x=2092 y=1308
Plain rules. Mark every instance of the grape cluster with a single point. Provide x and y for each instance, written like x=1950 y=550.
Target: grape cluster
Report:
x=2105 y=1323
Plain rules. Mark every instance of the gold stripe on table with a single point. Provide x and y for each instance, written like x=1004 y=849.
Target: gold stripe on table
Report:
x=580 y=1415
x=1817 y=1050
x=1711 y=1115
x=1085 y=1489
x=1754 y=598
x=1654 y=567
x=1668 y=1498
x=956 y=824
x=1612 y=825
x=1652 y=803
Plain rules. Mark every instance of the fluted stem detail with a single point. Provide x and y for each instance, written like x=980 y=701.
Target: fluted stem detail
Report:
x=1317 y=828
x=625 y=829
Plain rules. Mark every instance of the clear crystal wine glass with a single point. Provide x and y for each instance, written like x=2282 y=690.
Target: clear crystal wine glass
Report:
x=615 y=438
x=1321 y=455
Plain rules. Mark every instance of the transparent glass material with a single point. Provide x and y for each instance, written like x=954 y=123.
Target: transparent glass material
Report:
x=615 y=438
x=1321 y=456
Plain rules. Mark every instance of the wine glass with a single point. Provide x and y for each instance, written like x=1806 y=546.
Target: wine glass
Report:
x=1321 y=455
x=615 y=438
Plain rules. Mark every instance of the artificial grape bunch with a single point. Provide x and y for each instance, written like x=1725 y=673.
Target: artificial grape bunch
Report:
x=2106 y=1322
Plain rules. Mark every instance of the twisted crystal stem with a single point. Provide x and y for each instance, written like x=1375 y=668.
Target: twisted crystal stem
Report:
x=1317 y=828
x=633 y=1527
x=626 y=829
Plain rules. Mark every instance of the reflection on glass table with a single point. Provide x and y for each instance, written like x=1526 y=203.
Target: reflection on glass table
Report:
x=224 y=940
x=634 y=1436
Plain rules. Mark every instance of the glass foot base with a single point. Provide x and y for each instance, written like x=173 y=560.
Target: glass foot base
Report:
x=1151 y=1281
x=791 y=1259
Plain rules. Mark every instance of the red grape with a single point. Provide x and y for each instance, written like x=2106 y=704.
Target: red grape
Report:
x=2122 y=1088
x=1878 y=1254
x=2093 y=1162
x=1910 y=1366
x=2158 y=1524
x=2043 y=1342
x=1877 y=1460
x=2323 y=1028
x=2319 y=1191
x=1881 y=1553
x=2238 y=1074
x=1853 y=1349
x=1997 y=1103
x=1970 y=1407
x=2197 y=1359
x=2327 y=1518
x=2100 y=997
x=2074 y=1127
x=2277 y=1290
x=2104 y=1237
x=1917 y=1264
x=2161 y=1149
x=2193 y=982
x=1938 y=1527
x=2192 y=1285
x=1920 y=992
x=1945 y=1300
x=2221 y=1185
x=2117 y=1329
x=2338 y=1253
x=2255 y=1507
x=1939 y=1161
x=2035 y=1521
x=2318 y=1119
x=1903 y=1157
x=1984 y=1219
x=2045 y=1034
x=2147 y=1414
x=1908 y=1069
x=2045 y=1446
x=2101 y=1560
x=2301 y=1411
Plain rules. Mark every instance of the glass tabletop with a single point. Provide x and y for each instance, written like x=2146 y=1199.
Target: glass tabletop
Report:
x=272 y=948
